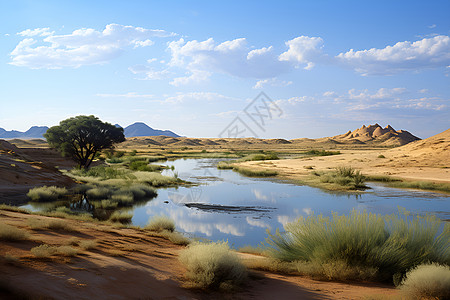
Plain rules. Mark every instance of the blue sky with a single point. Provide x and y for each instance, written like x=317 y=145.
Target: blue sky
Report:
x=194 y=66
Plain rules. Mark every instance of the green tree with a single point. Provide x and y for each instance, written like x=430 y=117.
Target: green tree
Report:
x=82 y=137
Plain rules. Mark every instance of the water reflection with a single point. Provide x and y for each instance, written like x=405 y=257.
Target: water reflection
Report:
x=227 y=206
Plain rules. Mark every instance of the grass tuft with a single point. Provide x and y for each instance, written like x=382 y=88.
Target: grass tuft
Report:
x=213 y=266
x=391 y=244
x=161 y=223
x=427 y=281
x=12 y=233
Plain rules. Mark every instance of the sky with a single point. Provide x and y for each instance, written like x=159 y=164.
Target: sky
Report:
x=269 y=69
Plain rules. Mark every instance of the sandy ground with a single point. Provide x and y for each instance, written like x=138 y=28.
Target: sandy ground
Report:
x=133 y=264
x=365 y=160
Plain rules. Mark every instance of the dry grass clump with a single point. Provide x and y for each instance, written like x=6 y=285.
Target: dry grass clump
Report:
x=390 y=244
x=12 y=233
x=161 y=223
x=213 y=266
x=46 y=251
x=46 y=193
x=176 y=238
x=88 y=244
x=66 y=251
x=37 y=224
x=43 y=251
x=60 y=225
x=427 y=281
x=343 y=176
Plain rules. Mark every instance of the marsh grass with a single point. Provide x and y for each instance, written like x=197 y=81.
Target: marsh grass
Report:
x=46 y=193
x=213 y=266
x=12 y=233
x=224 y=165
x=427 y=281
x=390 y=244
x=161 y=223
x=254 y=173
x=346 y=177
x=420 y=185
x=175 y=237
x=315 y=152
x=121 y=217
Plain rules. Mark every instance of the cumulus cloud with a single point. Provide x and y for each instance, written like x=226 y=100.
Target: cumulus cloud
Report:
x=84 y=46
x=234 y=57
x=403 y=56
x=303 y=50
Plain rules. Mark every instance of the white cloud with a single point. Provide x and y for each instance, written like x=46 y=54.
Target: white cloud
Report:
x=202 y=58
x=432 y=26
x=127 y=95
x=303 y=50
x=403 y=56
x=197 y=96
x=271 y=82
x=149 y=72
x=84 y=46
x=36 y=32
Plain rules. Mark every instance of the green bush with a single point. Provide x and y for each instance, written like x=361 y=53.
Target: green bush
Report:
x=213 y=265
x=161 y=223
x=143 y=165
x=392 y=244
x=427 y=281
x=46 y=193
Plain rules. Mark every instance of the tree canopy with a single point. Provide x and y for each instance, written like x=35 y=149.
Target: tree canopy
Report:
x=82 y=137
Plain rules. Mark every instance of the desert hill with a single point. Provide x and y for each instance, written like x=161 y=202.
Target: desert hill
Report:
x=372 y=136
x=22 y=169
x=375 y=134
x=433 y=151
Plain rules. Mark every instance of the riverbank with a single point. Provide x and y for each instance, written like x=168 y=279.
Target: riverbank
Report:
x=124 y=263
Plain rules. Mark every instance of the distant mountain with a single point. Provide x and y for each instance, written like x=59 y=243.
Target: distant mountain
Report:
x=35 y=132
x=142 y=129
x=375 y=134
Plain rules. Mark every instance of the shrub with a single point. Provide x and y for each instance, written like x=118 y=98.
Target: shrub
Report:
x=213 y=265
x=12 y=233
x=46 y=193
x=427 y=281
x=392 y=244
x=161 y=223
x=381 y=156
x=114 y=160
